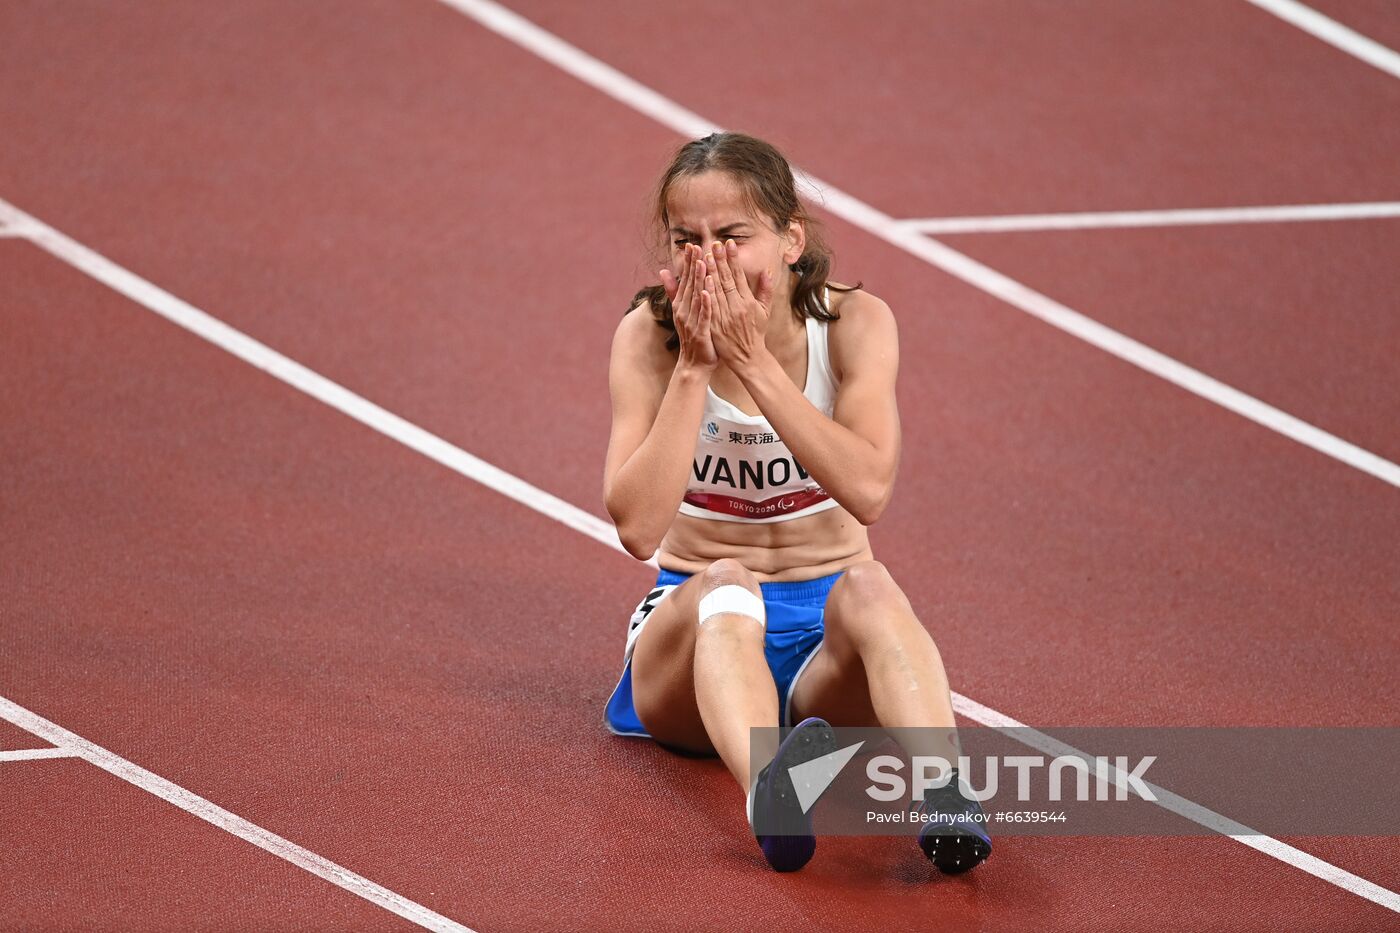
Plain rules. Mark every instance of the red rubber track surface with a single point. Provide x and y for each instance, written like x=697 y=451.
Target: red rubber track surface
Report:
x=1289 y=313
x=242 y=590
x=1022 y=106
x=1374 y=19
x=13 y=738
x=86 y=850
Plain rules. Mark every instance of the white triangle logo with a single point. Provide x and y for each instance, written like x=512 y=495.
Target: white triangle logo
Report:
x=811 y=778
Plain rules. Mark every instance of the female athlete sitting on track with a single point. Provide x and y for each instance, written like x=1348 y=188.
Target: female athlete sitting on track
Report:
x=757 y=400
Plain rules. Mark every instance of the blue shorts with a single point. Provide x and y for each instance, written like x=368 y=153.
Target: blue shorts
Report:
x=792 y=636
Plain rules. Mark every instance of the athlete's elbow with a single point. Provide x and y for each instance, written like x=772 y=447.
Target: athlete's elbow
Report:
x=872 y=505
x=638 y=545
x=866 y=517
x=642 y=550
x=631 y=527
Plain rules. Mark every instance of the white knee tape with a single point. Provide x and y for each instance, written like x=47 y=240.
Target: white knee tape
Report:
x=732 y=598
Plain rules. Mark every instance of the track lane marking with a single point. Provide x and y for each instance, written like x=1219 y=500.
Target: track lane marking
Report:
x=35 y=754
x=1175 y=803
x=299 y=377
x=634 y=94
x=283 y=368
x=312 y=383
x=1094 y=220
x=1333 y=33
x=216 y=815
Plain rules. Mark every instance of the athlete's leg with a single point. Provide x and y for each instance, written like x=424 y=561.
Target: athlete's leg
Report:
x=878 y=666
x=702 y=687
x=733 y=686
x=873 y=634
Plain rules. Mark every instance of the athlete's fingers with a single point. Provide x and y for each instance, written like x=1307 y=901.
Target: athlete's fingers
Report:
x=714 y=271
x=726 y=274
x=741 y=282
x=685 y=272
x=718 y=295
x=678 y=301
x=687 y=287
x=718 y=303
x=697 y=280
x=765 y=288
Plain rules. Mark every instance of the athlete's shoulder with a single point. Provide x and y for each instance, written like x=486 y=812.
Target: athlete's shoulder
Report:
x=643 y=341
x=865 y=327
x=859 y=302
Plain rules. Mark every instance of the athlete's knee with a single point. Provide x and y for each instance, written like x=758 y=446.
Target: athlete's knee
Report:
x=868 y=581
x=731 y=596
x=726 y=571
x=867 y=607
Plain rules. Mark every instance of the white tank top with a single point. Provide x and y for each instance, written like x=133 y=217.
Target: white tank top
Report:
x=742 y=471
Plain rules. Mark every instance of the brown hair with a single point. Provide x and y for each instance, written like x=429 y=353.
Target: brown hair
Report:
x=766 y=179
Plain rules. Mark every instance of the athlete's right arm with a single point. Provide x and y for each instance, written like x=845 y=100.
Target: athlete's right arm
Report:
x=654 y=432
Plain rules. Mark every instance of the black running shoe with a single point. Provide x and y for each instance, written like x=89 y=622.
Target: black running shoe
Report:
x=783 y=831
x=955 y=835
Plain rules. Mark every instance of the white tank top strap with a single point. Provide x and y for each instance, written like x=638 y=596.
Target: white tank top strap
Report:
x=821 y=377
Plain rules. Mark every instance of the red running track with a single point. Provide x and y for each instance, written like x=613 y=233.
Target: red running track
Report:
x=301 y=620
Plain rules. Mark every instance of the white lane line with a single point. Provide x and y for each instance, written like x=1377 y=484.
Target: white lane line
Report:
x=34 y=754
x=343 y=400
x=239 y=344
x=155 y=299
x=313 y=384
x=1194 y=812
x=16 y=227
x=585 y=67
x=1334 y=33
x=1174 y=218
x=211 y=813
x=619 y=86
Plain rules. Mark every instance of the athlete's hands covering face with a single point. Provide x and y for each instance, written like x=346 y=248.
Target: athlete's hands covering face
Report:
x=738 y=317
x=688 y=313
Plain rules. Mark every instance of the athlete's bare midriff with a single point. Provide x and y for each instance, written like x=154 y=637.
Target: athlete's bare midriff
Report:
x=800 y=549
x=797 y=549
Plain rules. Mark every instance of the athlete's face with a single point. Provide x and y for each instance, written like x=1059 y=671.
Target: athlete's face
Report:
x=710 y=207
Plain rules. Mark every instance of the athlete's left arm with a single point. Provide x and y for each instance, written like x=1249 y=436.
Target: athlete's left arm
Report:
x=854 y=454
